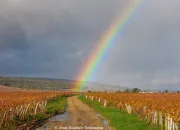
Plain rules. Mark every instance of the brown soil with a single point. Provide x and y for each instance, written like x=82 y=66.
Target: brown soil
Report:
x=6 y=89
x=81 y=115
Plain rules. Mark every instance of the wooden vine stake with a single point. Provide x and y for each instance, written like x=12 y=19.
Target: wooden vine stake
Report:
x=160 y=119
x=35 y=112
x=155 y=118
x=27 y=109
x=4 y=116
x=92 y=98
x=105 y=103
x=128 y=108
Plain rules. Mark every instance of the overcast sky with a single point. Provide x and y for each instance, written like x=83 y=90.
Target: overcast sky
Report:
x=50 y=38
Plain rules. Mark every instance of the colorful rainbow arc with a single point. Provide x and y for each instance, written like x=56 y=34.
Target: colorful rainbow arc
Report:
x=107 y=41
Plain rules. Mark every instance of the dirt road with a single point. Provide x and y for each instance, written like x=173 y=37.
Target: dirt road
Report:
x=79 y=116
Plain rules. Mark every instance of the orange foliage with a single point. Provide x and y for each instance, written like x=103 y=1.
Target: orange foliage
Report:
x=144 y=103
x=13 y=99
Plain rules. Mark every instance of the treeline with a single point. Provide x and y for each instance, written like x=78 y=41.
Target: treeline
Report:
x=133 y=90
x=35 y=83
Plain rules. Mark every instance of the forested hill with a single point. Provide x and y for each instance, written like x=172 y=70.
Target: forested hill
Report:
x=37 y=83
x=53 y=84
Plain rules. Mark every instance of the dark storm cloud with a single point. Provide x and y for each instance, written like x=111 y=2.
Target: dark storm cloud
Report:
x=50 y=38
x=12 y=36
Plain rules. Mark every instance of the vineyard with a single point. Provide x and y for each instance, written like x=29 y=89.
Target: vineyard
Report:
x=19 y=104
x=157 y=108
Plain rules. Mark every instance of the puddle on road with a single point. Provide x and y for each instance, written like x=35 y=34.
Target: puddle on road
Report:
x=105 y=122
x=60 y=117
x=57 y=118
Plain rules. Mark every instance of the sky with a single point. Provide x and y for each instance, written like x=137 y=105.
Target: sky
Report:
x=51 y=38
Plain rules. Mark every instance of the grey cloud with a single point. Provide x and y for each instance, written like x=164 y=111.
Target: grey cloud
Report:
x=147 y=50
x=12 y=36
x=50 y=38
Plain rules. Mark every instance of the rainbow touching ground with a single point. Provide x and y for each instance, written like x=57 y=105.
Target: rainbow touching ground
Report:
x=106 y=41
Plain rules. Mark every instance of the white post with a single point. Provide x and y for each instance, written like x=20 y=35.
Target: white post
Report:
x=144 y=108
x=176 y=126
x=155 y=118
x=105 y=103
x=128 y=108
x=92 y=98
x=170 y=124
x=35 y=112
x=166 y=122
x=173 y=125
x=99 y=100
x=161 y=119
x=45 y=103
x=3 y=119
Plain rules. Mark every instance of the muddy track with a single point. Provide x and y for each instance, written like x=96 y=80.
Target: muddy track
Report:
x=78 y=115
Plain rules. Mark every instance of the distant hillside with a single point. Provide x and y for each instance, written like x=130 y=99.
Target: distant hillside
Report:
x=53 y=84
x=36 y=83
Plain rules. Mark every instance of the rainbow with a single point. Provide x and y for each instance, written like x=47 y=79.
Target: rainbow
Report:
x=105 y=43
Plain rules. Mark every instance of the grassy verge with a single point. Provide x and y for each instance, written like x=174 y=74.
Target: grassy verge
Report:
x=54 y=106
x=118 y=119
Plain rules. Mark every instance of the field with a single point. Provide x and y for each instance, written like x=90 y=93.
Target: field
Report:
x=8 y=89
x=158 y=108
x=20 y=105
x=152 y=111
x=119 y=119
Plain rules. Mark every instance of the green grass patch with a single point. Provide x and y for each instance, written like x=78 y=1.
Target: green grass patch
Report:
x=54 y=106
x=119 y=119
